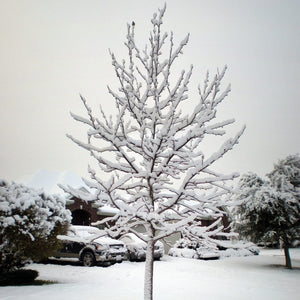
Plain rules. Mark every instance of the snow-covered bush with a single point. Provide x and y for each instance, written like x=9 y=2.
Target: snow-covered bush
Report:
x=200 y=249
x=234 y=247
x=30 y=221
x=212 y=248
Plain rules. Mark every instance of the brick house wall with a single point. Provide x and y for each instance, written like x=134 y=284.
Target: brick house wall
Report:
x=83 y=212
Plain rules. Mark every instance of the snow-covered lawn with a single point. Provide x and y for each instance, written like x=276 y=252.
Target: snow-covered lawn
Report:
x=255 y=277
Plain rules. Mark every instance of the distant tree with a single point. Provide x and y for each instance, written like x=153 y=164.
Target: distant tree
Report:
x=246 y=212
x=160 y=179
x=270 y=210
x=29 y=223
x=289 y=168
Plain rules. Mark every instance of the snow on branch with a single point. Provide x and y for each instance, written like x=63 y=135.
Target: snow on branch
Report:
x=159 y=176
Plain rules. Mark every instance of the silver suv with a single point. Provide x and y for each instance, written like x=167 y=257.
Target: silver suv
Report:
x=90 y=246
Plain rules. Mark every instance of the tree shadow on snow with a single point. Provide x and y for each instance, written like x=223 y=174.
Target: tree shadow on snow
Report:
x=76 y=263
x=281 y=266
x=62 y=262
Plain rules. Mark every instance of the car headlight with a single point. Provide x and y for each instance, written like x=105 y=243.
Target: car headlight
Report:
x=100 y=247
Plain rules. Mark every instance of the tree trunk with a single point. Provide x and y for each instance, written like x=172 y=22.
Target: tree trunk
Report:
x=288 y=262
x=148 y=284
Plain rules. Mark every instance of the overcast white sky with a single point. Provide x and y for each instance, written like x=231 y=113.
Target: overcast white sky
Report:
x=53 y=50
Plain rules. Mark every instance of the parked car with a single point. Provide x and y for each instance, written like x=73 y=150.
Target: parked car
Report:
x=90 y=246
x=137 y=248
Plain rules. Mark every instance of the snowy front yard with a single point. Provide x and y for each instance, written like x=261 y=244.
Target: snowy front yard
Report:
x=255 y=277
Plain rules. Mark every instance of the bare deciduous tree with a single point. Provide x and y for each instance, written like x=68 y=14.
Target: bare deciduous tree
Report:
x=159 y=178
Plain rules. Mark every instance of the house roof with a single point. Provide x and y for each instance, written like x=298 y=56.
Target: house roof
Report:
x=48 y=181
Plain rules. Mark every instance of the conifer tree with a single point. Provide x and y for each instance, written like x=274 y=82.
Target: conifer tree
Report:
x=270 y=209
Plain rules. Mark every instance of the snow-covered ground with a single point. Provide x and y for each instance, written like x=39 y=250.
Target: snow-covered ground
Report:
x=255 y=277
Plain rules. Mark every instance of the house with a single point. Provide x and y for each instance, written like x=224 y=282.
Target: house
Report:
x=83 y=212
x=88 y=212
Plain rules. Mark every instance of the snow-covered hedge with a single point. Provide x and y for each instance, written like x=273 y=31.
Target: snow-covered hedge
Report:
x=212 y=249
x=29 y=223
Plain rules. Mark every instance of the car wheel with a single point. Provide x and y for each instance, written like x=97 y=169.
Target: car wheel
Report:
x=88 y=259
x=132 y=257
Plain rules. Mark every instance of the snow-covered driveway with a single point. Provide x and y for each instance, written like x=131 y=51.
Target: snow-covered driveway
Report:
x=256 y=277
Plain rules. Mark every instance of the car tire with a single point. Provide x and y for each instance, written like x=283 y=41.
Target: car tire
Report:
x=132 y=257
x=88 y=259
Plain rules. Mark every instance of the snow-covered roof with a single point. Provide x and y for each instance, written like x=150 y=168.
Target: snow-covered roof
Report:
x=49 y=180
x=107 y=210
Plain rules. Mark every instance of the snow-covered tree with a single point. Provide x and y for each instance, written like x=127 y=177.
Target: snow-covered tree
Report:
x=30 y=221
x=246 y=212
x=270 y=210
x=285 y=178
x=289 y=168
x=160 y=179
